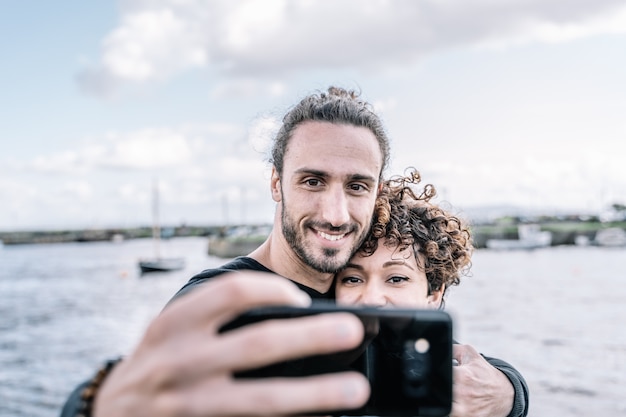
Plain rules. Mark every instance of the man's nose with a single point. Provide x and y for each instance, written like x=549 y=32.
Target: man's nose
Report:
x=334 y=208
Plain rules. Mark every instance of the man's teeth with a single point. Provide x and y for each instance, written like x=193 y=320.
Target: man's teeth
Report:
x=332 y=238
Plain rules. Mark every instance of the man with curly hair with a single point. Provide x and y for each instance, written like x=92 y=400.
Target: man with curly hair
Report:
x=415 y=251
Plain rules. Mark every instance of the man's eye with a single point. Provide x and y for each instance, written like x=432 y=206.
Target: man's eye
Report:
x=357 y=187
x=313 y=182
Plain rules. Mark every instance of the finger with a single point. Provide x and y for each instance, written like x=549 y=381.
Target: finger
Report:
x=279 y=340
x=285 y=396
x=255 y=345
x=227 y=296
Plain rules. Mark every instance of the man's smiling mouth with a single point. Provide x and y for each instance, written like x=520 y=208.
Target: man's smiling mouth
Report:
x=332 y=238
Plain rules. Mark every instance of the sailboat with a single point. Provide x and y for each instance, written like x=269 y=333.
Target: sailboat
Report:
x=158 y=263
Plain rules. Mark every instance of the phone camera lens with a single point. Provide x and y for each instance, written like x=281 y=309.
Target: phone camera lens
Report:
x=416 y=368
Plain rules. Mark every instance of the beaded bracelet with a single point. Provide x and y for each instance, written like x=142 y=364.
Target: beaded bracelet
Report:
x=88 y=394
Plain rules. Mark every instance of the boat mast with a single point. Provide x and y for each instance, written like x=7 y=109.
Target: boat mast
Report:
x=156 y=228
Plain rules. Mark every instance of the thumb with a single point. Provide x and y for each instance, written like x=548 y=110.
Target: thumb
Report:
x=463 y=354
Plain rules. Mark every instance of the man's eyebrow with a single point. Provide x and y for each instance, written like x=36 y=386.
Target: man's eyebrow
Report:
x=324 y=174
x=360 y=177
x=310 y=171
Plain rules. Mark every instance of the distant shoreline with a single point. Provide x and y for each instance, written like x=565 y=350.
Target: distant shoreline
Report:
x=564 y=231
x=101 y=235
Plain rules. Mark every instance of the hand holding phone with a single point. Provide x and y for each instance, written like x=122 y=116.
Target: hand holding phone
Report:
x=406 y=355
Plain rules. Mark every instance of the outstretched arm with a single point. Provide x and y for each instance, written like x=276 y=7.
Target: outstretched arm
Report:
x=183 y=366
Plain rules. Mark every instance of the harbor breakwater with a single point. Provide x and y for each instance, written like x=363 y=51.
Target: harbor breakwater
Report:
x=563 y=232
x=101 y=235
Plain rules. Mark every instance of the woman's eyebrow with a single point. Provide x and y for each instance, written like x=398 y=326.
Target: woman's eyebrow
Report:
x=396 y=262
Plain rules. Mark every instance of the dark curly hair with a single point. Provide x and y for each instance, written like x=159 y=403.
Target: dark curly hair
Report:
x=336 y=105
x=408 y=219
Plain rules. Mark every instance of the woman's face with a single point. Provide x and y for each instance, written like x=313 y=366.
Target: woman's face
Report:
x=387 y=278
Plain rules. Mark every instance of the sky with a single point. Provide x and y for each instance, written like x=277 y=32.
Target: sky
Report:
x=499 y=104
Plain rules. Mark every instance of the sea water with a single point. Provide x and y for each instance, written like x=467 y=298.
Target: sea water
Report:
x=556 y=314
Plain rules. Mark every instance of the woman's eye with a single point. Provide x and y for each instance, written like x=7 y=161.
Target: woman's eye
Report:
x=350 y=280
x=397 y=279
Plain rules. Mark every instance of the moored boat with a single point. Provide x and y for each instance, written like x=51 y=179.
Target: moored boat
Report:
x=161 y=264
x=612 y=236
x=530 y=236
x=158 y=263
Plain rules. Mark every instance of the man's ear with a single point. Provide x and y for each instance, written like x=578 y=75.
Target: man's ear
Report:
x=277 y=194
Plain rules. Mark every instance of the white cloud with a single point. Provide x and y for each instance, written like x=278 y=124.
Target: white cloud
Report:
x=261 y=134
x=250 y=20
x=143 y=149
x=245 y=39
x=148 y=148
x=245 y=87
x=148 y=45
x=107 y=180
x=68 y=162
x=544 y=29
x=77 y=189
x=587 y=182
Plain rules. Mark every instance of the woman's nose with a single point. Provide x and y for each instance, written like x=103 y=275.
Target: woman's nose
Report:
x=372 y=296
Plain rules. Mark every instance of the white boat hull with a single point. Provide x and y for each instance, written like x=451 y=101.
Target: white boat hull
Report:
x=530 y=237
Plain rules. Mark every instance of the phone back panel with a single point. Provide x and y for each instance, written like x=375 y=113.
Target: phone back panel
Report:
x=406 y=355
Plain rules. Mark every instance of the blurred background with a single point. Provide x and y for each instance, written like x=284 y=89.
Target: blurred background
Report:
x=513 y=110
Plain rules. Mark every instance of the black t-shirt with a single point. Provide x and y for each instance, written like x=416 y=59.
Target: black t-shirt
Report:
x=243 y=263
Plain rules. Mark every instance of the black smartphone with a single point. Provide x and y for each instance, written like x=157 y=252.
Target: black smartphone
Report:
x=406 y=355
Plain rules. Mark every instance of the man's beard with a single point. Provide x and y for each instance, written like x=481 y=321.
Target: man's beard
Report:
x=328 y=262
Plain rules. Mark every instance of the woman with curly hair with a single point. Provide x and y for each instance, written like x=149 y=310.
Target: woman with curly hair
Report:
x=415 y=251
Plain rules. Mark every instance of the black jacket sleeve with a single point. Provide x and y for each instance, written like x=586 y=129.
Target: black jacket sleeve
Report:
x=72 y=404
x=520 y=401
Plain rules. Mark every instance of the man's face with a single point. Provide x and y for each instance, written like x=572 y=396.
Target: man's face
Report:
x=327 y=192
